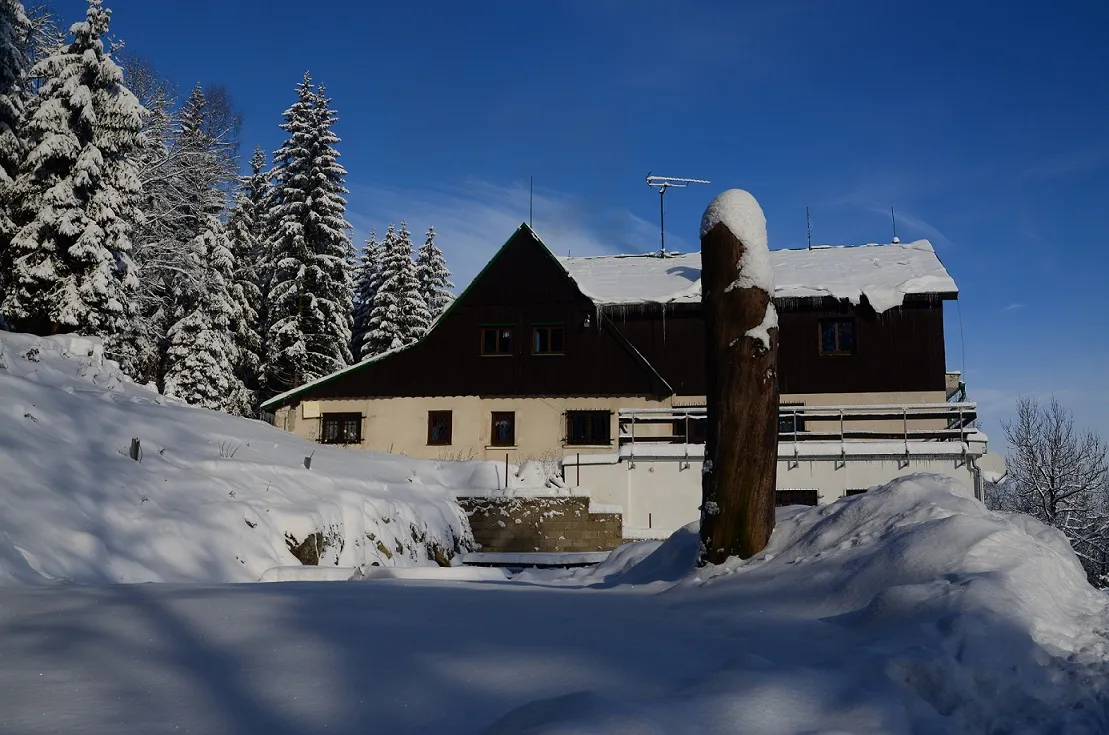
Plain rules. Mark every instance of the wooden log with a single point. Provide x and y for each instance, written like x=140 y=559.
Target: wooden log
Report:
x=741 y=452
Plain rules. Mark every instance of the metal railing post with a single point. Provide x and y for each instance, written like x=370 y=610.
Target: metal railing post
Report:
x=905 y=429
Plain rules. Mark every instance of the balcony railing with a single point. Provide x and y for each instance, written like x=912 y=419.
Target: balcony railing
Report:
x=897 y=422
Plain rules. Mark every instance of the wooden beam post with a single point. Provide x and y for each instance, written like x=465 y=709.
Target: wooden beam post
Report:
x=741 y=340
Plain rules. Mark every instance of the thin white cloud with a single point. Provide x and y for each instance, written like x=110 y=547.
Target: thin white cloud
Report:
x=1071 y=163
x=1013 y=307
x=472 y=220
x=919 y=225
x=883 y=191
x=909 y=225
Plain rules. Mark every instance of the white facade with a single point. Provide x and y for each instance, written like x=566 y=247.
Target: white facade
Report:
x=658 y=485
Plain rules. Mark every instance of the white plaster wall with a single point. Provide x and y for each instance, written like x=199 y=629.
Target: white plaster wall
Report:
x=666 y=493
x=399 y=425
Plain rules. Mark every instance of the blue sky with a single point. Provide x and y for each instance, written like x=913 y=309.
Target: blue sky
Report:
x=985 y=125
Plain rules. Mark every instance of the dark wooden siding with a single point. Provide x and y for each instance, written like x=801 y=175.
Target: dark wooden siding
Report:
x=522 y=286
x=672 y=341
x=899 y=350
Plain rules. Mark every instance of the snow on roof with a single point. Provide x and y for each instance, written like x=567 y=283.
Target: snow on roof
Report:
x=885 y=274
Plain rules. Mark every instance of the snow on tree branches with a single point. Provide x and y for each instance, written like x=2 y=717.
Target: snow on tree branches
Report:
x=123 y=215
x=186 y=165
x=76 y=193
x=1060 y=476
x=367 y=280
x=246 y=244
x=400 y=315
x=310 y=294
x=434 y=278
x=15 y=29
x=202 y=350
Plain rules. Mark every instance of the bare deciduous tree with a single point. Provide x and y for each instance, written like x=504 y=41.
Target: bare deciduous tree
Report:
x=1059 y=475
x=47 y=32
x=188 y=166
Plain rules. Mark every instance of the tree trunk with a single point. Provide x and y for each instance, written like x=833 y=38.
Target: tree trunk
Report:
x=741 y=452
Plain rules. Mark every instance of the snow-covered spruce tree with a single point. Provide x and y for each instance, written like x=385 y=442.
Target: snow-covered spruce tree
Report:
x=204 y=170
x=434 y=278
x=14 y=32
x=367 y=279
x=76 y=193
x=258 y=190
x=399 y=316
x=310 y=295
x=243 y=233
x=200 y=363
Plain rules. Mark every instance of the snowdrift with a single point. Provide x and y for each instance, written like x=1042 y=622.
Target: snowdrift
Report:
x=909 y=609
x=215 y=498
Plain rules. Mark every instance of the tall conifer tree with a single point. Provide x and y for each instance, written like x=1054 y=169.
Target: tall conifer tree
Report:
x=310 y=294
x=399 y=315
x=245 y=245
x=434 y=278
x=367 y=280
x=202 y=352
x=76 y=193
x=15 y=30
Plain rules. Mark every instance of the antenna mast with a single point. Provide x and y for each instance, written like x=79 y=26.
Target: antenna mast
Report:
x=662 y=183
x=893 y=216
x=808 y=225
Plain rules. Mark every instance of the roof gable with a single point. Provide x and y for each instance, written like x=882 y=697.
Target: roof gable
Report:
x=522 y=284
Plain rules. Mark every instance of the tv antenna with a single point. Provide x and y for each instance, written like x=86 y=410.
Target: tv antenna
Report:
x=662 y=183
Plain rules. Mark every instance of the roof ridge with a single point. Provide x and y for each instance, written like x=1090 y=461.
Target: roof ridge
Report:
x=653 y=255
x=916 y=244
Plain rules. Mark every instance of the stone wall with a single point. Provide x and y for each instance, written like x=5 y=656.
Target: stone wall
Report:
x=553 y=524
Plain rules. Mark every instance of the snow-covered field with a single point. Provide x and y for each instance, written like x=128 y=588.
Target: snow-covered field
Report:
x=910 y=609
x=214 y=499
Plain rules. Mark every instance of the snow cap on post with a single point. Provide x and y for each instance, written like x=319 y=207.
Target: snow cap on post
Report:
x=738 y=210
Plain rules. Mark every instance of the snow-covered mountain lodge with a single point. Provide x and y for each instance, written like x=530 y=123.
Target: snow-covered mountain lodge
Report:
x=599 y=362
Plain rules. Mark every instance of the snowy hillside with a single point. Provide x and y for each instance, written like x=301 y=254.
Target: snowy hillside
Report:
x=910 y=610
x=214 y=499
